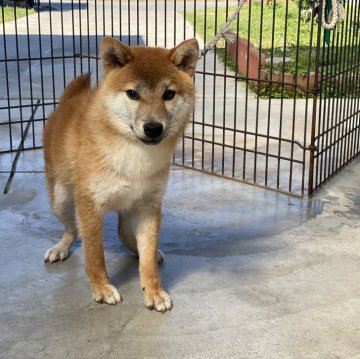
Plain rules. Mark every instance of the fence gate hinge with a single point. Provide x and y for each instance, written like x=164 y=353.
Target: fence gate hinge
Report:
x=311 y=148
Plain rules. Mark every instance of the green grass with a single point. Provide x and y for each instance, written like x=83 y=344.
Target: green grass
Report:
x=291 y=37
x=8 y=13
x=286 y=22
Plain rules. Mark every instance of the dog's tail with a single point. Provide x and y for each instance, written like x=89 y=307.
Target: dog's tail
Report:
x=77 y=86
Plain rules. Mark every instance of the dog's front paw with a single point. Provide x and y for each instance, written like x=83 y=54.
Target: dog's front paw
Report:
x=56 y=253
x=106 y=294
x=158 y=300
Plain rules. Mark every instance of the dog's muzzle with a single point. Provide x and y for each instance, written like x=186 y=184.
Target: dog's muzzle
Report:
x=154 y=133
x=153 y=130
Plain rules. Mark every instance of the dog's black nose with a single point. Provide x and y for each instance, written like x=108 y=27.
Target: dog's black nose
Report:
x=153 y=129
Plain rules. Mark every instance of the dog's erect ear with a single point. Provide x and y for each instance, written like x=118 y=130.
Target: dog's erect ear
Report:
x=185 y=56
x=114 y=54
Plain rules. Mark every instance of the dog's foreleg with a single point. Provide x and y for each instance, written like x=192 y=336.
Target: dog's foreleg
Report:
x=126 y=231
x=91 y=232
x=126 y=227
x=147 y=232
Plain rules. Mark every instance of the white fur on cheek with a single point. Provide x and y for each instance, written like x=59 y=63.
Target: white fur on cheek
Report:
x=180 y=111
x=121 y=111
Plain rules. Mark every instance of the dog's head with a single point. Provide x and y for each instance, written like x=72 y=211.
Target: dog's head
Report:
x=148 y=92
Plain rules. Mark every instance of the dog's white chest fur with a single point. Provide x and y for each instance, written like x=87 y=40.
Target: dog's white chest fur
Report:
x=136 y=172
x=118 y=194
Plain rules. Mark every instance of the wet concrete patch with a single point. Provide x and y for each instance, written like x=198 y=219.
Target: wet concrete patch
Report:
x=16 y=199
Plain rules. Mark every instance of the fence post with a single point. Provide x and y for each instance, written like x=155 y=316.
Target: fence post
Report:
x=312 y=147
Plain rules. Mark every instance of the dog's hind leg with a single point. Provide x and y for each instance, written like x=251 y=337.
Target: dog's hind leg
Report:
x=62 y=204
x=127 y=222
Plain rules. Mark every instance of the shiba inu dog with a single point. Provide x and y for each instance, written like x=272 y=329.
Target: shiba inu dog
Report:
x=109 y=149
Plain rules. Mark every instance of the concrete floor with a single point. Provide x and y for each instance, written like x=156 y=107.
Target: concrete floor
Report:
x=252 y=274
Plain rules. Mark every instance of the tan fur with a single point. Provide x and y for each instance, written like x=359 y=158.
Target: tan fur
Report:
x=98 y=157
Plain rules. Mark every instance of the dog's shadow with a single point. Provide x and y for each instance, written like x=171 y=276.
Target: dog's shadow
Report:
x=198 y=242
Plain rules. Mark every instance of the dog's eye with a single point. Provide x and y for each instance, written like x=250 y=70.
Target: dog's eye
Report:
x=168 y=95
x=132 y=94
